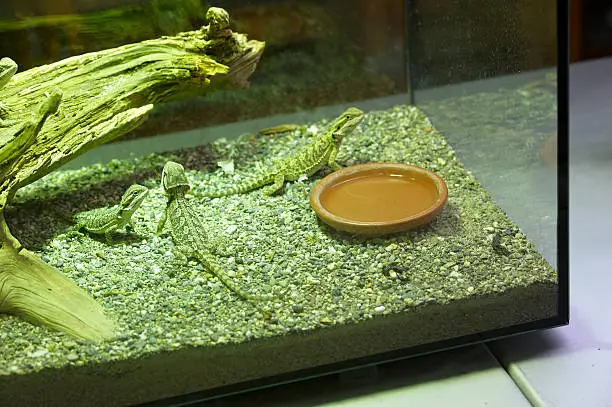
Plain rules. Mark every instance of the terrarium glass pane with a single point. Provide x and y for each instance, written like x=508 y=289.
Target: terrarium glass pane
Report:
x=204 y=197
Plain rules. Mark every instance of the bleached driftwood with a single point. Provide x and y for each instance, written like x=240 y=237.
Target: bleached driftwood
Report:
x=103 y=95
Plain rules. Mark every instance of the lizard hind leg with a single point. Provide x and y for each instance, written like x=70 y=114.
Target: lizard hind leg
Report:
x=180 y=259
x=109 y=236
x=74 y=231
x=331 y=160
x=279 y=180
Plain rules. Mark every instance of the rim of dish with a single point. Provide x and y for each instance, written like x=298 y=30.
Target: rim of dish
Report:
x=345 y=173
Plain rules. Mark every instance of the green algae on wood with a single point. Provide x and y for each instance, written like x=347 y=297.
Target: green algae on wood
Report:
x=105 y=94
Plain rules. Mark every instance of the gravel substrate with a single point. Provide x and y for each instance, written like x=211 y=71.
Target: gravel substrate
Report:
x=269 y=245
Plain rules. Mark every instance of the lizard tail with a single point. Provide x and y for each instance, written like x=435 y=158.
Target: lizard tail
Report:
x=212 y=265
x=240 y=188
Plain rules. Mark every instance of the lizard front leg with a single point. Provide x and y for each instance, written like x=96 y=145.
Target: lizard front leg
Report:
x=130 y=225
x=162 y=221
x=331 y=160
x=108 y=235
x=133 y=227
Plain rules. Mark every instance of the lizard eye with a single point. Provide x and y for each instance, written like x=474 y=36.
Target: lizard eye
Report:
x=130 y=196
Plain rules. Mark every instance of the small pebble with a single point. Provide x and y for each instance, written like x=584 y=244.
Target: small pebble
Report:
x=72 y=356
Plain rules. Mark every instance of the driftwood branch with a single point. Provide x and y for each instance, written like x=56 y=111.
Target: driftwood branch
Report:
x=108 y=93
x=41 y=294
x=101 y=96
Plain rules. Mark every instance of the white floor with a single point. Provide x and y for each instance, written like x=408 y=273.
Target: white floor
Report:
x=572 y=366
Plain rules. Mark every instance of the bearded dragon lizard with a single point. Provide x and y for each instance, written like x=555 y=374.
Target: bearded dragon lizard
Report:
x=107 y=220
x=188 y=231
x=305 y=161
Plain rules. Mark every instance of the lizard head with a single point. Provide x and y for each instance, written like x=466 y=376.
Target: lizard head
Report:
x=173 y=176
x=345 y=123
x=133 y=197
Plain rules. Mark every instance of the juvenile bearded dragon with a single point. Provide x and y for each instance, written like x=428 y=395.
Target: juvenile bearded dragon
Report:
x=188 y=231
x=107 y=220
x=305 y=161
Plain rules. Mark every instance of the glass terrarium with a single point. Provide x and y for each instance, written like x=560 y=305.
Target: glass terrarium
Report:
x=204 y=197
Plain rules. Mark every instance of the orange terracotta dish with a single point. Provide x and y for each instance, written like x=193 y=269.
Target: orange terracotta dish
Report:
x=379 y=198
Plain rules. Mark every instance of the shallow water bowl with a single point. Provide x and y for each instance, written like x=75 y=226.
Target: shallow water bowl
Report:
x=379 y=198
